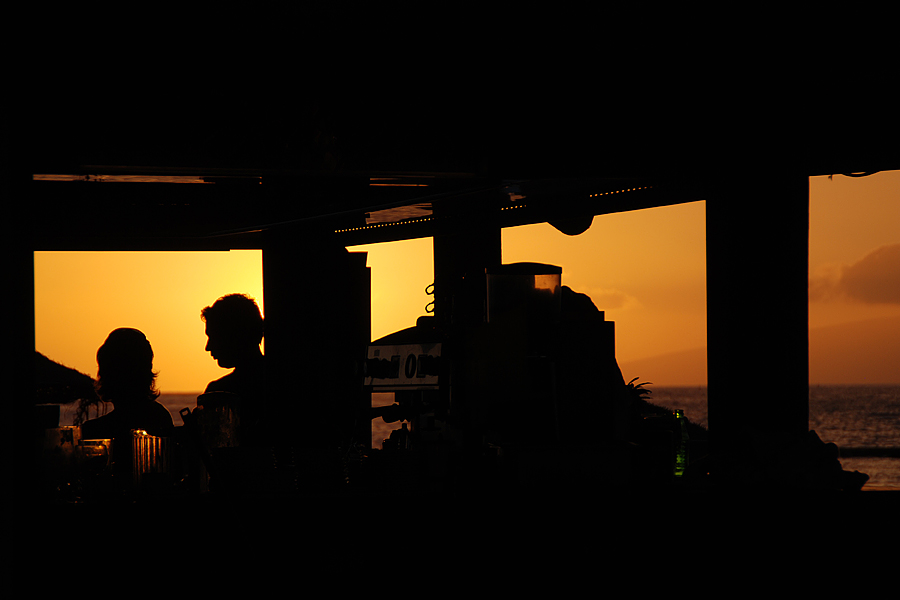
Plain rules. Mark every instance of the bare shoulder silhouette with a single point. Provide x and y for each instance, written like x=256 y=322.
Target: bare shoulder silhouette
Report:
x=234 y=330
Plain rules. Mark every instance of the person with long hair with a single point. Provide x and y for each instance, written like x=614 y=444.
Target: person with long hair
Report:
x=126 y=379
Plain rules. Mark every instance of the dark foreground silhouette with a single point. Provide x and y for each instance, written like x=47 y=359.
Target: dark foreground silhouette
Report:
x=228 y=445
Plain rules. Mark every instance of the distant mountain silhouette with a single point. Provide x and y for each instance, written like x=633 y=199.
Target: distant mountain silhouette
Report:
x=57 y=384
x=687 y=367
x=859 y=352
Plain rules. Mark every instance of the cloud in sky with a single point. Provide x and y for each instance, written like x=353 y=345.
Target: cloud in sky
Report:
x=611 y=299
x=875 y=279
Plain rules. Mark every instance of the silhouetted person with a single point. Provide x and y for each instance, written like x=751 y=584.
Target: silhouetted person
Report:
x=125 y=378
x=234 y=328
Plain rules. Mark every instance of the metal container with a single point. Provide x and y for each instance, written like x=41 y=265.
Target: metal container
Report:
x=95 y=469
x=526 y=297
x=150 y=458
x=534 y=289
x=218 y=418
x=94 y=456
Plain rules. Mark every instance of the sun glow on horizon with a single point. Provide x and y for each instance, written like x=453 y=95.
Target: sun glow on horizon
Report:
x=81 y=296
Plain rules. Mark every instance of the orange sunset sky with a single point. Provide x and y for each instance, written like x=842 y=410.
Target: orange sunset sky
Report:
x=646 y=269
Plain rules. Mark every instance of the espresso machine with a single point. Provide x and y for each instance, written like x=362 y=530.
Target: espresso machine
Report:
x=493 y=398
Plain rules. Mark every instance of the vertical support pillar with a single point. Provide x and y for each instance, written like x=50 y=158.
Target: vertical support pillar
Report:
x=461 y=254
x=757 y=317
x=463 y=249
x=22 y=461
x=317 y=327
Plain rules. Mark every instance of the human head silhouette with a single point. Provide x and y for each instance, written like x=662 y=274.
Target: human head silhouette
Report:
x=125 y=368
x=234 y=328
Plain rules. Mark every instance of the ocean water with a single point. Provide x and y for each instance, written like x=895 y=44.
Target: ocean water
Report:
x=863 y=420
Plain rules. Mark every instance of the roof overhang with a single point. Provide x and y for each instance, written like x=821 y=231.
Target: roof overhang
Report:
x=389 y=173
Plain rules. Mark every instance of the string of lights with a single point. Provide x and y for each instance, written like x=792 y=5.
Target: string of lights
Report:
x=503 y=208
x=646 y=187
x=378 y=225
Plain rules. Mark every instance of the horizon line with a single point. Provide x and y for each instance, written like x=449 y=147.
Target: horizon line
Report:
x=670 y=385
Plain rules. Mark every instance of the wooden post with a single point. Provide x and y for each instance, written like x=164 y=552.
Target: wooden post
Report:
x=463 y=249
x=317 y=327
x=757 y=317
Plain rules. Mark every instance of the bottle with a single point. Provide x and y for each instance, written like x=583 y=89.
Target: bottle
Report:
x=681 y=449
x=404 y=437
x=399 y=439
